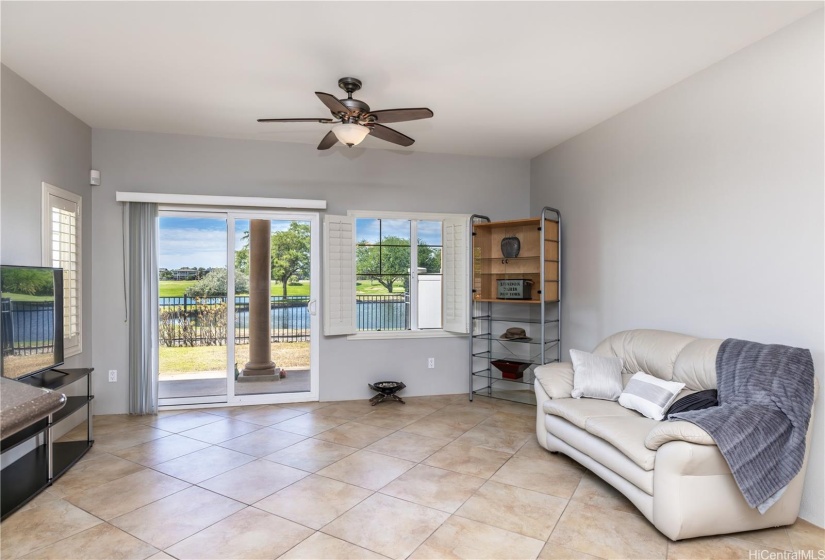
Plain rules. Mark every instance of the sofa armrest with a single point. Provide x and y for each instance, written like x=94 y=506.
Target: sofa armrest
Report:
x=677 y=431
x=680 y=458
x=556 y=379
x=695 y=494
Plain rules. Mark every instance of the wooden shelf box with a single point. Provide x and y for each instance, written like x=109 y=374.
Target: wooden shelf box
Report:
x=489 y=265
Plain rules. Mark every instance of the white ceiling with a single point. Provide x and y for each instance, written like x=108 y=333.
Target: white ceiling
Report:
x=504 y=79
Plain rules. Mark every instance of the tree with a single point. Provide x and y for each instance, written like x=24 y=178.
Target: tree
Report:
x=28 y=281
x=386 y=263
x=429 y=258
x=290 y=253
x=214 y=284
x=242 y=258
x=390 y=262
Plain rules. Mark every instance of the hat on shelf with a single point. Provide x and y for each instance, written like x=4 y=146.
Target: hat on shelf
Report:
x=515 y=333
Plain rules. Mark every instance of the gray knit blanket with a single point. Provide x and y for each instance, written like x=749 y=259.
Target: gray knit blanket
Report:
x=765 y=396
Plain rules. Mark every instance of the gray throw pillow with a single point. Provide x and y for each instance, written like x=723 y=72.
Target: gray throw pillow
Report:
x=596 y=377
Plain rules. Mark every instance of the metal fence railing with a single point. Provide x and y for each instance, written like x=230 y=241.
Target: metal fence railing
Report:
x=289 y=319
x=201 y=321
x=28 y=327
x=382 y=312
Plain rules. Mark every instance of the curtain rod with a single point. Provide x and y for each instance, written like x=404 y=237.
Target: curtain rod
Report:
x=224 y=201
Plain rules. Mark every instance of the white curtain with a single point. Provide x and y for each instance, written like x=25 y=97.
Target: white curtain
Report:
x=143 y=308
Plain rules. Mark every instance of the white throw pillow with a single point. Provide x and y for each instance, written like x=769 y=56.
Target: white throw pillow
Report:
x=596 y=377
x=650 y=395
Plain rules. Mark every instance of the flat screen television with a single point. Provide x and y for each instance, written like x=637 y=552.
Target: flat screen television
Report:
x=31 y=319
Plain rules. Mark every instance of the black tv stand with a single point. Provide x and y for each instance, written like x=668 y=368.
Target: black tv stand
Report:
x=35 y=471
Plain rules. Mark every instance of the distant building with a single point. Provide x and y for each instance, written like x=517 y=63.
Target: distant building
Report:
x=185 y=273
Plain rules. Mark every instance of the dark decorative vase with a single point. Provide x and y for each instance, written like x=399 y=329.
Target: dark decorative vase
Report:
x=510 y=247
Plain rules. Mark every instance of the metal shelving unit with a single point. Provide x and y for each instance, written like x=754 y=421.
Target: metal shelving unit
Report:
x=492 y=316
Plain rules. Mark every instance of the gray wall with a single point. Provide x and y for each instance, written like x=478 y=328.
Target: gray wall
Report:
x=354 y=179
x=41 y=141
x=700 y=211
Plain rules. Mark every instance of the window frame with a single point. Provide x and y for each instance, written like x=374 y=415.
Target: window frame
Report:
x=49 y=191
x=413 y=217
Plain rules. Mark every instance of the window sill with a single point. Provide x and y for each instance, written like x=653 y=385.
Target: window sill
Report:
x=383 y=335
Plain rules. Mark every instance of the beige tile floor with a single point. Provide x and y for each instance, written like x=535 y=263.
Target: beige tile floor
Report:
x=438 y=477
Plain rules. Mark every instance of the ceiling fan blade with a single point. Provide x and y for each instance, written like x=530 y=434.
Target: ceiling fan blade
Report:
x=401 y=115
x=329 y=141
x=332 y=103
x=297 y=120
x=390 y=135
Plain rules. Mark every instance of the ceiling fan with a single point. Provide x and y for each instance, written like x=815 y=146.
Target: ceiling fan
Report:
x=354 y=119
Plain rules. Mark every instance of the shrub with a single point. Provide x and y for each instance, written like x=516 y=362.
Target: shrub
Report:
x=212 y=322
x=214 y=284
x=167 y=328
x=202 y=324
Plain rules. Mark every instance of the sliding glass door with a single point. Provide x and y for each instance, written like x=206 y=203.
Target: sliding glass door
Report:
x=238 y=309
x=277 y=358
x=192 y=319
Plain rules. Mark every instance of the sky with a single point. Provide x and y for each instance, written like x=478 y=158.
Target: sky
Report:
x=367 y=229
x=200 y=242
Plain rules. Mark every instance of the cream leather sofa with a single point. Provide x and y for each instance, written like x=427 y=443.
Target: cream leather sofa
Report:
x=671 y=471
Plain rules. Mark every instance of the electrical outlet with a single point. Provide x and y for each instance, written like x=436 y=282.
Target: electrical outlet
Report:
x=431 y=363
x=112 y=375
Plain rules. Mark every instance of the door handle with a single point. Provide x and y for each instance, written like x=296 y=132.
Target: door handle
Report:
x=312 y=307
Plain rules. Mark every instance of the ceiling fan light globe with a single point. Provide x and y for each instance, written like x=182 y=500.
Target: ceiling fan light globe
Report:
x=350 y=134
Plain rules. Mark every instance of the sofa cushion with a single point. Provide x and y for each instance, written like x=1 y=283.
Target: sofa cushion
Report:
x=578 y=411
x=653 y=352
x=627 y=435
x=556 y=379
x=696 y=364
x=597 y=449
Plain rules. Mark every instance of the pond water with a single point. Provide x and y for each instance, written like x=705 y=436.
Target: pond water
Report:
x=389 y=313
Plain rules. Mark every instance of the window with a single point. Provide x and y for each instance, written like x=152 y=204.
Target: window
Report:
x=390 y=294
x=61 y=249
x=371 y=286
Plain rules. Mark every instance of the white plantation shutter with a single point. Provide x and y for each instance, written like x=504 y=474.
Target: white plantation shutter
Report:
x=339 y=275
x=61 y=249
x=456 y=254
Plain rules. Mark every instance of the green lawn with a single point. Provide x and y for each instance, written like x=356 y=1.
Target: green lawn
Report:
x=27 y=297
x=372 y=287
x=301 y=289
x=182 y=359
x=176 y=288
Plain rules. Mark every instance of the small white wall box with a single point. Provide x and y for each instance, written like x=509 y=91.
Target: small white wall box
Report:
x=94 y=178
